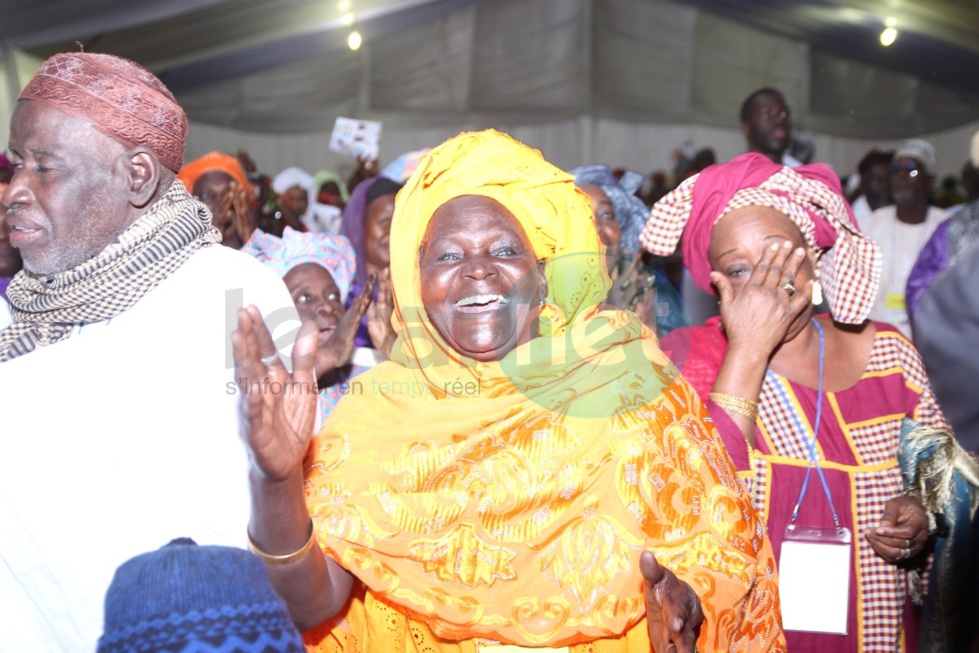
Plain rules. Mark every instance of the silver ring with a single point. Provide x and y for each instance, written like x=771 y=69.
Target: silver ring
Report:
x=788 y=287
x=905 y=554
x=270 y=360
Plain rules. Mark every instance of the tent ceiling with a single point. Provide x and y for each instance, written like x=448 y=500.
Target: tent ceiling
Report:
x=283 y=66
x=939 y=39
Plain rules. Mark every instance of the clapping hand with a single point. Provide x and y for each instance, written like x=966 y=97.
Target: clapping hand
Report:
x=379 y=315
x=338 y=350
x=237 y=203
x=278 y=408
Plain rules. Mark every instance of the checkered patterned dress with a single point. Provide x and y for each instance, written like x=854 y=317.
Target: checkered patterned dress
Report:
x=857 y=445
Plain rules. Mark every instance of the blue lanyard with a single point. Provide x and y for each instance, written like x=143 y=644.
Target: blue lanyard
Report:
x=813 y=456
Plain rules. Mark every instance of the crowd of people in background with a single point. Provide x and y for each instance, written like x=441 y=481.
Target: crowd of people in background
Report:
x=771 y=326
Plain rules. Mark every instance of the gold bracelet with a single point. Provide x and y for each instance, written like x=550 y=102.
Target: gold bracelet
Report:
x=739 y=405
x=288 y=558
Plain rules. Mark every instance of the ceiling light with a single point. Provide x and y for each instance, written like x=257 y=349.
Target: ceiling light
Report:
x=348 y=19
x=344 y=5
x=888 y=36
x=354 y=40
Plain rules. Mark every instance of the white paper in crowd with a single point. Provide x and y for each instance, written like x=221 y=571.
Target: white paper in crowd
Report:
x=360 y=139
x=814 y=579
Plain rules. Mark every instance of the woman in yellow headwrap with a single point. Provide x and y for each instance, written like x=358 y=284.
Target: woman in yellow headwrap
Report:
x=500 y=481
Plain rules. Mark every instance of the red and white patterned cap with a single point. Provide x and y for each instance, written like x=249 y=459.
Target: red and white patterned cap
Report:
x=848 y=262
x=120 y=98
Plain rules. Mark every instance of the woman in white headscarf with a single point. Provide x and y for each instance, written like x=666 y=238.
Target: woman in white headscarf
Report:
x=295 y=188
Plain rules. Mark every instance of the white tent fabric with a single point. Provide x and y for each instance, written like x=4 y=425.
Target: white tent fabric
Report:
x=637 y=146
x=622 y=82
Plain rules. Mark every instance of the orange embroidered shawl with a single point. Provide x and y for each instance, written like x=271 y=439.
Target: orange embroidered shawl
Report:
x=511 y=500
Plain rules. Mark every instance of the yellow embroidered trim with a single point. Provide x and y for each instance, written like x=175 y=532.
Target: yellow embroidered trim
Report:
x=896 y=417
x=826 y=464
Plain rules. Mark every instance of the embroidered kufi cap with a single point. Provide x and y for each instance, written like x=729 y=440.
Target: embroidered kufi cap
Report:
x=120 y=98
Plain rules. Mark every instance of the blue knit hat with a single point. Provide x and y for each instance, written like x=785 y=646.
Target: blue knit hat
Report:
x=207 y=599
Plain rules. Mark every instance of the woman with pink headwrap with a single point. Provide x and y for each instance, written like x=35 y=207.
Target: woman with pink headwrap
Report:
x=804 y=403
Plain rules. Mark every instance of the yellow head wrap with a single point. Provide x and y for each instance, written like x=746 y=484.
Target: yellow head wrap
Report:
x=555 y=216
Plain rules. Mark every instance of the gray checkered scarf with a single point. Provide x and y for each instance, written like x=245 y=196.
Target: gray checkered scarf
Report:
x=46 y=308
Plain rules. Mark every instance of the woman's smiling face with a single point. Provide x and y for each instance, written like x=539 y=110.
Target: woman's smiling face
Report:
x=481 y=281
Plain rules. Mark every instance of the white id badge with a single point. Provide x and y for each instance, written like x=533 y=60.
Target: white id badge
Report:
x=814 y=579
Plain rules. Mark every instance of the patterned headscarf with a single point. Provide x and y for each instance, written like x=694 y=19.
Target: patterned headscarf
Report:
x=402 y=167
x=213 y=162
x=334 y=253
x=848 y=263
x=120 y=98
x=630 y=211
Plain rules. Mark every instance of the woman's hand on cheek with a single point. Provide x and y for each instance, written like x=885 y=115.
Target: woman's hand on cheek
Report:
x=757 y=315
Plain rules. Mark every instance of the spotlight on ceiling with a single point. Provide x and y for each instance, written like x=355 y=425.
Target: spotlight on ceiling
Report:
x=889 y=35
x=354 y=40
x=344 y=5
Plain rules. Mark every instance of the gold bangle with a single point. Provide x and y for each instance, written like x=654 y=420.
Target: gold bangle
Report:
x=738 y=405
x=288 y=558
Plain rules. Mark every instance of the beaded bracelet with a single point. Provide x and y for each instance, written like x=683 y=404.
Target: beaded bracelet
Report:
x=738 y=405
x=288 y=558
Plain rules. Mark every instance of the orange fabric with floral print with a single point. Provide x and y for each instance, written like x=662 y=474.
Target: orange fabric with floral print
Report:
x=511 y=500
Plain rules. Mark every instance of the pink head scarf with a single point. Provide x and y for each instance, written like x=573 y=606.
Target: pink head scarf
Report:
x=848 y=263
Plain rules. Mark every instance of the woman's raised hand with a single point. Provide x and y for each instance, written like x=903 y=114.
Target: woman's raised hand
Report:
x=245 y=223
x=757 y=315
x=673 y=612
x=379 y=315
x=278 y=408
x=339 y=348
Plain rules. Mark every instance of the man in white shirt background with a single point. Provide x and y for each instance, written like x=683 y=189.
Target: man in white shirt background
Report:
x=903 y=228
